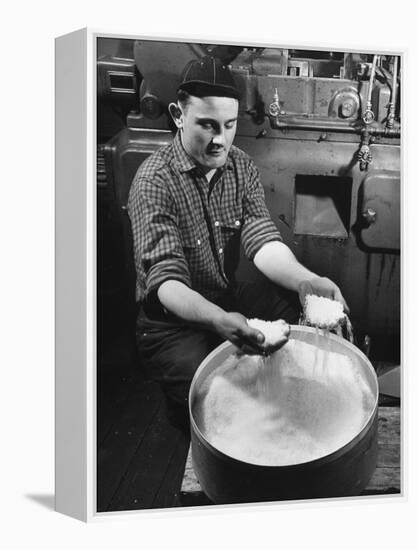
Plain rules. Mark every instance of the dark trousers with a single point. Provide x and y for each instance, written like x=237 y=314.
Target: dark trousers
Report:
x=172 y=350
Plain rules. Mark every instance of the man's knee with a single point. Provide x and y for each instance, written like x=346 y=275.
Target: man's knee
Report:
x=183 y=361
x=173 y=357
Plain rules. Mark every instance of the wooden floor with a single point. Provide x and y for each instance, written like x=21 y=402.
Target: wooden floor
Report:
x=140 y=455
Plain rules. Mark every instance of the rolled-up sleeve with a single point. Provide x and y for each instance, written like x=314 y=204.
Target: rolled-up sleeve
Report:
x=158 y=251
x=258 y=227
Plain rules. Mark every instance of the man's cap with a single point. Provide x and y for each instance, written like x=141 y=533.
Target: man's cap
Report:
x=208 y=76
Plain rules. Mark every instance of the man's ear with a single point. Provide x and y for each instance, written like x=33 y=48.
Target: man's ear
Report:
x=176 y=114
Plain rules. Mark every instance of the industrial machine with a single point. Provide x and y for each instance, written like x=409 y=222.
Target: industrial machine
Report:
x=323 y=128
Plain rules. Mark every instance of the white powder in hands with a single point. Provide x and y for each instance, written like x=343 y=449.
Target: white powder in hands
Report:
x=274 y=331
x=323 y=312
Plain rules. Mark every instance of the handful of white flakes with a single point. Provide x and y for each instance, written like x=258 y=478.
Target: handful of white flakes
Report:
x=275 y=332
x=323 y=312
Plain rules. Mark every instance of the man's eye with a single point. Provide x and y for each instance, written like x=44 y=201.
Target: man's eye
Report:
x=206 y=125
x=230 y=125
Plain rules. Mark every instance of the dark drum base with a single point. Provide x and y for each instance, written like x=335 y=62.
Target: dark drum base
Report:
x=344 y=473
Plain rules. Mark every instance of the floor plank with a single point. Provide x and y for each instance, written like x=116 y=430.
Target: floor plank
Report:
x=384 y=481
x=127 y=434
x=147 y=475
x=169 y=492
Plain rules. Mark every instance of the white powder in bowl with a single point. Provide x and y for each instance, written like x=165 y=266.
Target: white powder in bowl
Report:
x=323 y=312
x=298 y=405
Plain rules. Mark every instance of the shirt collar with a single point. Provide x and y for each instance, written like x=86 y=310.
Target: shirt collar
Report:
x=184 y=161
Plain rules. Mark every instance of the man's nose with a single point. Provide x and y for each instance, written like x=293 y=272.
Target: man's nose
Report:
x=219 y=137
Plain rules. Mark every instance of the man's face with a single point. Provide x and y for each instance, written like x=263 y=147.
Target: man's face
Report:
x=208 y=129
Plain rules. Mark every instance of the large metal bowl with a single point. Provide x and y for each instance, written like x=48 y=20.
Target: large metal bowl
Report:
x=344 y=472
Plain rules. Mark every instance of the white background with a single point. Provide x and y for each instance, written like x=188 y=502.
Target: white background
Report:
x=27 y=282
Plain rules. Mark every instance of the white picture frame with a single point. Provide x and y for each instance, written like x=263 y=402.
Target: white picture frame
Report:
x=76 y=271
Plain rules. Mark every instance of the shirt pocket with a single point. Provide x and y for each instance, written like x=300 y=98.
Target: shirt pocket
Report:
x=194 y=235
x=230 y=226
x=197 y=250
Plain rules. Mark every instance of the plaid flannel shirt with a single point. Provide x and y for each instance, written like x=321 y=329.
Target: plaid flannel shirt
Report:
x=189 y=230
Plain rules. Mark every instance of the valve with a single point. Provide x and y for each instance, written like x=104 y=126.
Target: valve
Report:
x=274 y=108
x=368 y=116
x=369 y=215
x=364 y=156
x=390 y=122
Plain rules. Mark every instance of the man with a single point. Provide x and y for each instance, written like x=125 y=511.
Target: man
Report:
x=192 y=205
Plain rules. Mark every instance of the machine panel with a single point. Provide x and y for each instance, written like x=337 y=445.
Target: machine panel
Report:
x=323 y=129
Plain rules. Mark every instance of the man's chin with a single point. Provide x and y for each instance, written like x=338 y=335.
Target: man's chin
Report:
x=214 y=161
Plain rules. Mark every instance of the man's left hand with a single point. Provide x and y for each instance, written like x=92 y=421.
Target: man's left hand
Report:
x=321 y=286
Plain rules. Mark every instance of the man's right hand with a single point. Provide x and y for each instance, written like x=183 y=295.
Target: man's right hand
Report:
x=233 y=327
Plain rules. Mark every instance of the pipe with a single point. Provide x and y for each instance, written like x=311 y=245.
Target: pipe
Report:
x=298 y=122
x=294 y=122
x=392 y=104
x=368 y=115
x=381 y=131
x=371 y=80
x=310 y=123
x=395 y=80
